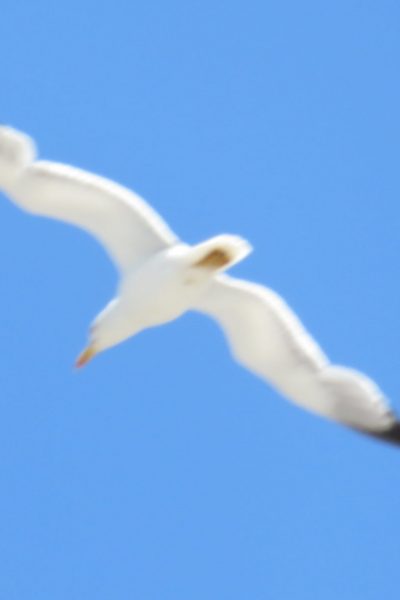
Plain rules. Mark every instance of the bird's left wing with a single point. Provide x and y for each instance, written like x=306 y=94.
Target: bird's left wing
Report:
x=266 y=337
x=118 y=218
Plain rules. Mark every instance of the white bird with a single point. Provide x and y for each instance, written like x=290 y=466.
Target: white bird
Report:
x=162 y=278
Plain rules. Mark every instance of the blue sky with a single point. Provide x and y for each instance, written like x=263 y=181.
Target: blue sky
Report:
x=164 y=470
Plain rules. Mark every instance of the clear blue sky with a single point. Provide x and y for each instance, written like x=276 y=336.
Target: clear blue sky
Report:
x=163 y=470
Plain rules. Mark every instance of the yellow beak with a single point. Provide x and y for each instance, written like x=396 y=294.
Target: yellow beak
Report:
x=85 y=356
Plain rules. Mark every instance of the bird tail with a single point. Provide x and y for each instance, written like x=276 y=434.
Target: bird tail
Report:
x=17 y=151
x=220 y=252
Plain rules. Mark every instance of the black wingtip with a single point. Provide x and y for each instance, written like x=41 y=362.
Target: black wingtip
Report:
x=391 y=435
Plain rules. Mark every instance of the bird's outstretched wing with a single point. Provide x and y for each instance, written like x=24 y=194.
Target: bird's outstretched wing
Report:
x=266 y=337
x=118 y=218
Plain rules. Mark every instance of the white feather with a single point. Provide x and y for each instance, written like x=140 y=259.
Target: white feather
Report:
x=119 y=219
x=266 y=337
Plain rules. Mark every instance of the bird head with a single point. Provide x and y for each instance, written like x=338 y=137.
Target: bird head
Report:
x=108 y=329
x=85 y=356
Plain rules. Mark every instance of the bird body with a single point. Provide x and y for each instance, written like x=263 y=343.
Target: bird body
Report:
x=161 y=278
x=160 y=289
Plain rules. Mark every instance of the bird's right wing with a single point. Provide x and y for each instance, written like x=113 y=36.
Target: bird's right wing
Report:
x=119 y=219
x=266 y=337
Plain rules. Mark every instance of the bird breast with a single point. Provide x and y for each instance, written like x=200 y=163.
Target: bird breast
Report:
x=160 y=290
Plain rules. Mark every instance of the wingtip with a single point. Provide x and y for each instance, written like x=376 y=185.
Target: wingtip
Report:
x=390 y=436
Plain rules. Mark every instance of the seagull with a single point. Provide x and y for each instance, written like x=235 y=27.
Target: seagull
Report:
x=161 y=278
